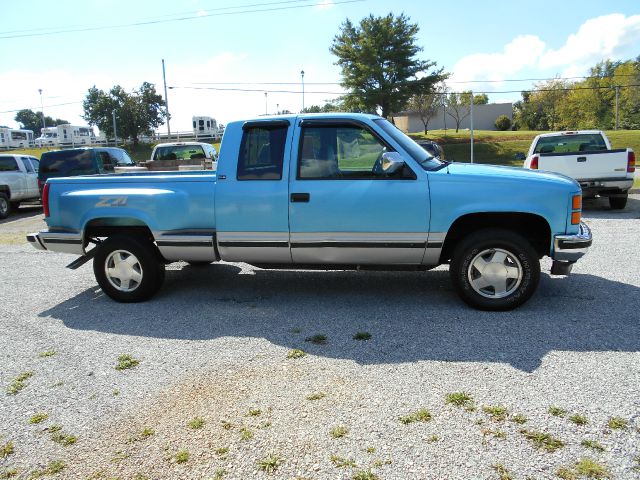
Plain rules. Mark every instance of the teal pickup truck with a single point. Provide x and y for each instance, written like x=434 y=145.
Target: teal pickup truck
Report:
x=329 y=191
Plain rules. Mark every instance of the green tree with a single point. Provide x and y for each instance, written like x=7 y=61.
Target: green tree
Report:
x=478 y=98
x=326 y=108
x=379 y=63
x=30 y=120
x=137 y=113
x=458 y=107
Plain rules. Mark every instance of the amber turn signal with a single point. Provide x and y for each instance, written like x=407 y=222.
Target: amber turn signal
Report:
x=576 y=202
x=575 y=218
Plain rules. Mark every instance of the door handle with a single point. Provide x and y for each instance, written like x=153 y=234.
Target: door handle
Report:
x=582 y=159
x=300 y=197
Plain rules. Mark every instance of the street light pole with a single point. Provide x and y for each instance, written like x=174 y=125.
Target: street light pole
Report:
x=266 y=109
x=115 y=135
x=302 y=75
x=617 y=98
x=166 y=101
x=44 y=125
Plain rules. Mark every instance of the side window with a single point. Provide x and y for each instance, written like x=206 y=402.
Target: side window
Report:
x=8 y=164
x=342 y=152
x=262 y=153
x=106 y=160
x=125 y=159
x=27 y=164
x=35 y=163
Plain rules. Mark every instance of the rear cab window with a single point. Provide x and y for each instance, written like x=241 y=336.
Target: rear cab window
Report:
x=262 y=151
x=582 y=142
x=179 y=152
x=68 y=163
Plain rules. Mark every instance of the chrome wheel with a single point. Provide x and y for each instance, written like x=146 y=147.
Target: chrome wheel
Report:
x=4 y=207
x=123 y=270
x=495 y=273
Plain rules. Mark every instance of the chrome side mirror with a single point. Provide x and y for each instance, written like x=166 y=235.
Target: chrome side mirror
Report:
x=391 y=162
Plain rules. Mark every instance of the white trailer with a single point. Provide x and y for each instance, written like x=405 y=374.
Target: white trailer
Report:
x=66 y=135
x=15 y=138
x=205 y=127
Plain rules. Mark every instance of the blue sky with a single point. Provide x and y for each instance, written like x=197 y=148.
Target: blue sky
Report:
x=494 y=41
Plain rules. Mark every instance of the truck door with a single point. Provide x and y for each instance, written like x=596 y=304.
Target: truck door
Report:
x=31 y=177
x=252 y=211
x=343 y=209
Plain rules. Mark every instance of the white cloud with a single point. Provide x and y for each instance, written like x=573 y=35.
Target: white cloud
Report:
x=523 y=51
x=614 y=37
x=611 y=36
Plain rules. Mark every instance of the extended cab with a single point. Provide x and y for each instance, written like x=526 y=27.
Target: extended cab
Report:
x=586 y=156
x=334 y=191
x=18 y=181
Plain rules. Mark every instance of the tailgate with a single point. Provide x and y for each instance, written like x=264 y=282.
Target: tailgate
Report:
x=586 y=165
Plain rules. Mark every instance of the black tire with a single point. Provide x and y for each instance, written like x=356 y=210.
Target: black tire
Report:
x=15 y=205
x=618 y=203
x=148 y=267
x=484 y=245
x=5 y=206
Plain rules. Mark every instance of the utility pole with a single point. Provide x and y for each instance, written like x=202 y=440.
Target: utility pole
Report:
x=471 y=125
x=302 y=75
x=115 y=135
x=166 y=101
x=44 y=125
x=266 y=106
x=617 y=98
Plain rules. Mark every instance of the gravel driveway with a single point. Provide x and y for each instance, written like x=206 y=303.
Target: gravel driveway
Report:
x=551 y=390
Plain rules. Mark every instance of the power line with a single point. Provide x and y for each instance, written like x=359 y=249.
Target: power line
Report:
x=38 y=108
x=190 y=12
x=178 y=19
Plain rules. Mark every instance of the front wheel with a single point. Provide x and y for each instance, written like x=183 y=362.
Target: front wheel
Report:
x=5 y=206
x=128 y=268
x=495 y=269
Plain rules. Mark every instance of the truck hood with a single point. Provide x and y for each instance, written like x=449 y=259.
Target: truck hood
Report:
x=509 y=173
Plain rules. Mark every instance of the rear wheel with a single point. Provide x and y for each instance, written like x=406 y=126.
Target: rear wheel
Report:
x=495 y=269
x=5 y=206
x=128 y=268
x=618 y=203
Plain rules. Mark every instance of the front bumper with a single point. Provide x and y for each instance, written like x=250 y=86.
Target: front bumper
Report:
x=570 y=248
x=57 y=242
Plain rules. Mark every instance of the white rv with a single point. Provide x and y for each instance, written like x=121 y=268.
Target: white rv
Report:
x=15 y=138
x=205 y=127
x=66 y=135
x=48 y=137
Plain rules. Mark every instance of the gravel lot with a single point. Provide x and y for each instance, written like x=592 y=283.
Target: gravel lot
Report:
x=213 y=345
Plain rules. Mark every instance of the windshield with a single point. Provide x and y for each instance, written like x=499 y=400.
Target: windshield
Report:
x=179 y=152
x=418 y=153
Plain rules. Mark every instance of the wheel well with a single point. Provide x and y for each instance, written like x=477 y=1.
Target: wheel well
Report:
x=106 y=227
x=532 y=227
x=5 y=189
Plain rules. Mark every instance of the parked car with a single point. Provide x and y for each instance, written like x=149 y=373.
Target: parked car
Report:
x=587 y=156
x=81 y=161
x=346 y=191
x=18 y=181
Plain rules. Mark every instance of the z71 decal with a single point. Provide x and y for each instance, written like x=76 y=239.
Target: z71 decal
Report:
x=112 y=202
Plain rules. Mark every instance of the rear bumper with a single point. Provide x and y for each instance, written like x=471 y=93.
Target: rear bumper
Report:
x=605 y=187
x=57 y=242
x=570 y=248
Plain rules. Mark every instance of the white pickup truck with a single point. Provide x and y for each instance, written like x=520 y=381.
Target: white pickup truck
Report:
x=586 y=156
x=18 y=181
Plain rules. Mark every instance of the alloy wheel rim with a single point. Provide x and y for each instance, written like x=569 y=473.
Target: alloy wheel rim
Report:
x=123 y=270
x=495 y=273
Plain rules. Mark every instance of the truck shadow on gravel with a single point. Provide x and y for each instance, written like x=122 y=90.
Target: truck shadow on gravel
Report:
x=410 y=316
x=599 y=208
